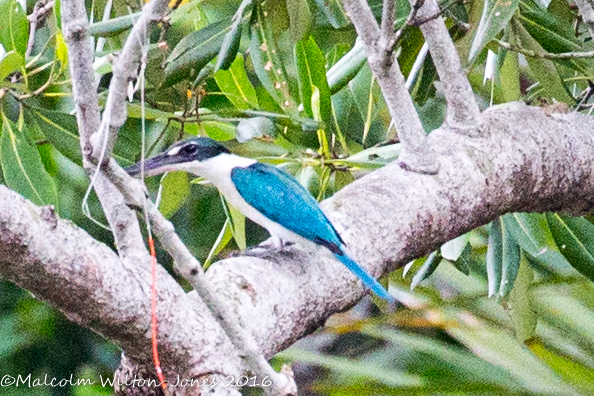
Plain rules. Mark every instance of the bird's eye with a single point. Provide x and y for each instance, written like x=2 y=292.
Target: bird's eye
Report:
x=190 y=149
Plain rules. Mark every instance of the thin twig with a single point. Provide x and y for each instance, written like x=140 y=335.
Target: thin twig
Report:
x=463 y=112
x=543 y=54
x=40 y=12
x=387 y=27
x=187 y=265
x=416 y=154
x=410 y=21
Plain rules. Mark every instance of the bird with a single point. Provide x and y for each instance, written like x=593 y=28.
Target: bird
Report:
x=265 y=194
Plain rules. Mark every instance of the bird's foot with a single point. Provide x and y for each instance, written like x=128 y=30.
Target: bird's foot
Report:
x=268 y=247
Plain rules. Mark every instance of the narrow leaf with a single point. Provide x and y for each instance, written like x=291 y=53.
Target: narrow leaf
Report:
x=236 y=86
x=194 y=51
x=575 y=238
x=531 y=231
x=222 y=240
x=11 y=62
x=22 y=167
x=346 y=68
x=176 y=190
x=453 y=249
x=510 y=253
x=113 y=27
x=268 y=65
x=496 y=15
x=543 y=70
x=428 y=267
x=494 y=257
x=299 y=19
x=14 y=28
x=522 y=314
x=232 y=39
x=333 y=11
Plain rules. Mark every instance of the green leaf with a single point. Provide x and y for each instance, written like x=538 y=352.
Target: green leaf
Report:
x=510 y=253
x=230 y=44
x=347 y=67
x=236 y=86
x=428 y=267
x=218 y=130
x=14 y=29
x=494 y=257
x=333 y=11
x=453 y=249
x=496 y=346
x=311 y=70
x=61 y=129
x=22 y=167
x=531 y=231
x=370 y=102
x=299 y=19
x=463 y=262
x=113 y=27
x=496 y=15
x=176 y=190
x=354 y=369
x=521 y=312
x=543 y=70
x=510 y=77
x=342 y=179
x=238 y=226
x=268 y=65
x=374 y=157
x=194 y=51
x=255 y=127
x=555 y=34
x=575 y=238
x=11 y=62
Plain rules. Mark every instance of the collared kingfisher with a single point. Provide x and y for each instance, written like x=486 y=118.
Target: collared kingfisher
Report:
x=266 y=195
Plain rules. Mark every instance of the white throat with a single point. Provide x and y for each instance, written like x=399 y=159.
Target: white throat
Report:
x=218 y=169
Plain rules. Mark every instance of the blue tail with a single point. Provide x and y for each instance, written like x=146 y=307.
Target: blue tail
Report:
x=367 y=279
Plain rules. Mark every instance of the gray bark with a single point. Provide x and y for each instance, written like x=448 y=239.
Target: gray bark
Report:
x=525 y=160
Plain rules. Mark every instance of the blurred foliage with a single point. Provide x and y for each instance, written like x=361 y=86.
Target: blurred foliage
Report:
x=505 y=309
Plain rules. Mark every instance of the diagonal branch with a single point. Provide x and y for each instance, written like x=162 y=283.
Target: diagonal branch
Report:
x=386 y=218
x=190 y=269
x=416 y=153
x=121 y=218
x=388 y=19
x=463 y=111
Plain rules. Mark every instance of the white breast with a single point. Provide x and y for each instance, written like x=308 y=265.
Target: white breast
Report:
x=218 y=170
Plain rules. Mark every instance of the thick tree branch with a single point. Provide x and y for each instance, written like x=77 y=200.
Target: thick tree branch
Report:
x=190 y=269
x=416 y=153
x=121 y=219
x=526 y=160
x=463 y=111
x=94 y=288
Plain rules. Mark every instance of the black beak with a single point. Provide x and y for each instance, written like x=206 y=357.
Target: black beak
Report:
x=153 y=166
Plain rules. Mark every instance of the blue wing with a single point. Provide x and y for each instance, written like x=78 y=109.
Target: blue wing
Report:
x=279 y=197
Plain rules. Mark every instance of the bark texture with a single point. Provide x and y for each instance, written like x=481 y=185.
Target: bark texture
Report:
x=524 y=160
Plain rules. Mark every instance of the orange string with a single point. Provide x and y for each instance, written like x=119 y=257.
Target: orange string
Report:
x=154 y=313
